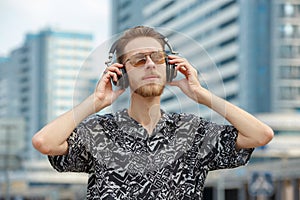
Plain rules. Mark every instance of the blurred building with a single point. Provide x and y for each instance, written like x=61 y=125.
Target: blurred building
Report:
x=286 y=55
x=213 y=26
x=247 y=52
x=12 y=146
x=254 y=46
x=39 y=78
x=9 y=101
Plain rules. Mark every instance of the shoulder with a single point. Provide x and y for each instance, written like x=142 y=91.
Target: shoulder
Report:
x=94 y=123
x=199 y=124
x=97 y=118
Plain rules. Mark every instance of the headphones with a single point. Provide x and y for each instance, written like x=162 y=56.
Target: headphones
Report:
x=123 y=81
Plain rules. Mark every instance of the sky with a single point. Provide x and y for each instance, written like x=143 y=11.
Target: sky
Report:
x=19 y=17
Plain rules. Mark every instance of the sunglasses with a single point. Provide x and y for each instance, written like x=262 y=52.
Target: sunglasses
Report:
x=140 y=59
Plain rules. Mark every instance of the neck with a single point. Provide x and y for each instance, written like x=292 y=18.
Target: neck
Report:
x=145 y=110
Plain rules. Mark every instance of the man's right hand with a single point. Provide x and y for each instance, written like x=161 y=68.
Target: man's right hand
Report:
x=52 y=138
x=104 y=93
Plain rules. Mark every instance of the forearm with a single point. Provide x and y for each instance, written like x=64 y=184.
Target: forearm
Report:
x=252 y=132
x=51 y=139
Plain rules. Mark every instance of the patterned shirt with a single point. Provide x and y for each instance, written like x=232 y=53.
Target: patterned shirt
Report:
x=125 y=162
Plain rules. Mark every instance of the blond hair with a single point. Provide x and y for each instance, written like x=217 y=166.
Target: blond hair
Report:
x=135 y=32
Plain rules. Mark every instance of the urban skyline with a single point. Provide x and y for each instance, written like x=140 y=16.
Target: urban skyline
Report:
x=247 y=52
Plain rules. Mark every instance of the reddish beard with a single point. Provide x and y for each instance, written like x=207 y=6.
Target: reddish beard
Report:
x=150 y=90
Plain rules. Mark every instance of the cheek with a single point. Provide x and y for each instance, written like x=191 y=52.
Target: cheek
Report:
x=163 y=73
x=134 y=74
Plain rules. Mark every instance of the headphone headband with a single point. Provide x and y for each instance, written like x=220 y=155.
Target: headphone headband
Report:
x=111 y=53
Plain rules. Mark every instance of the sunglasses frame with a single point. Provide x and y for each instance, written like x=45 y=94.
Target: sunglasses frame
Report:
x=145 y=58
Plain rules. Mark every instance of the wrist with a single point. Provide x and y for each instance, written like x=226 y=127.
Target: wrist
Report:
x=96 y=103
x=204 y=97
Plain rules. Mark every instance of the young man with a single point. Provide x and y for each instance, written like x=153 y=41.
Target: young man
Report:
x=143 y=152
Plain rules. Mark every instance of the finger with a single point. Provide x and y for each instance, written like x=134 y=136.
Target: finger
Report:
x=111 y=75
x=182 y=69
x=186 y=67
x=114 y=68
x=181 y=61
x=103 y=83
x=172 y=56
x=105 y=76
x=176 y=60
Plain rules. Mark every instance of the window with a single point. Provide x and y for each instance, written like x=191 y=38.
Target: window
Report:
x=226 y=42
x=289 y=93
x=227 y=23
x=289 y=9
x=289 y=51
x=227 y=60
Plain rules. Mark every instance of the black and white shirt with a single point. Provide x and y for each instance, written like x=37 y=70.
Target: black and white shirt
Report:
x=125 y=162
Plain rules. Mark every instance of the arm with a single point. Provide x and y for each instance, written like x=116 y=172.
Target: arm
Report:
x=52 y=139
x=252 y=132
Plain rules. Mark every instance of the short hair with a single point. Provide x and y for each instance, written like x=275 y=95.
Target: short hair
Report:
x=135 y=32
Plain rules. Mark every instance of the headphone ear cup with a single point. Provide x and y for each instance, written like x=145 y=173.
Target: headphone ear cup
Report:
x=123 y=81
x=173 y=72
x=167 y=70
x=170 y=71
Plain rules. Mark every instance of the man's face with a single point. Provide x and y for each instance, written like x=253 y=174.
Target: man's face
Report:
x=147 y=77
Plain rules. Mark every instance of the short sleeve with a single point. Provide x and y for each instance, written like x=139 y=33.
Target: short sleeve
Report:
x=226 y=154
x=78 y=159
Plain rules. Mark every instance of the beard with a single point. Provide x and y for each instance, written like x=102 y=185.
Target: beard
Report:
x=150 y=90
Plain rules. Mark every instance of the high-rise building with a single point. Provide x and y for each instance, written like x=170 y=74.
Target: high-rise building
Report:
x=129 y=13
x=253 y=46
x=247 y=52
x=211 y=34
x=40 y=77
x=9 y=101
x=286 y=55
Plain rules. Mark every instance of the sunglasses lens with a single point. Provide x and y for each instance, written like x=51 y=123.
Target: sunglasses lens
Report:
x=138 y=60
x=158 y=57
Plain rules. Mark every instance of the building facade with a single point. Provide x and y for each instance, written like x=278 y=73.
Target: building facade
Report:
x=248 y=53
x=253 y=46
x=286 y=59
x=42 y=75
x=215 y=36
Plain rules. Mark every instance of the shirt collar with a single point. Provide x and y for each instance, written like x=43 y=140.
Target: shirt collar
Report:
x=131 y=126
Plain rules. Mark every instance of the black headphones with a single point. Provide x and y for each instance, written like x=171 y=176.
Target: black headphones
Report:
x=123 y=81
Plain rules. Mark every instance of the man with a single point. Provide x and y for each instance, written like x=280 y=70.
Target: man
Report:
x=143 y=152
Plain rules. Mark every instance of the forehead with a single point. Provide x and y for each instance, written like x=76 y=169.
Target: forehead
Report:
x=142 y=44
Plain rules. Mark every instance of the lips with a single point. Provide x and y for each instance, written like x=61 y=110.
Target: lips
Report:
x=152 y=76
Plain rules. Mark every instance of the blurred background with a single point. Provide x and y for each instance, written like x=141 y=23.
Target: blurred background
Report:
x=247 y=51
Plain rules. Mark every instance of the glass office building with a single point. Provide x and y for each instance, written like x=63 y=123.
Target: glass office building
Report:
x=253 y=45
x=227 y=41
x=40 y=77
x=286 y=60
x=246 y=52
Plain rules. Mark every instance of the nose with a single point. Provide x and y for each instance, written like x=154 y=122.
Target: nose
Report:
x=149 y=62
